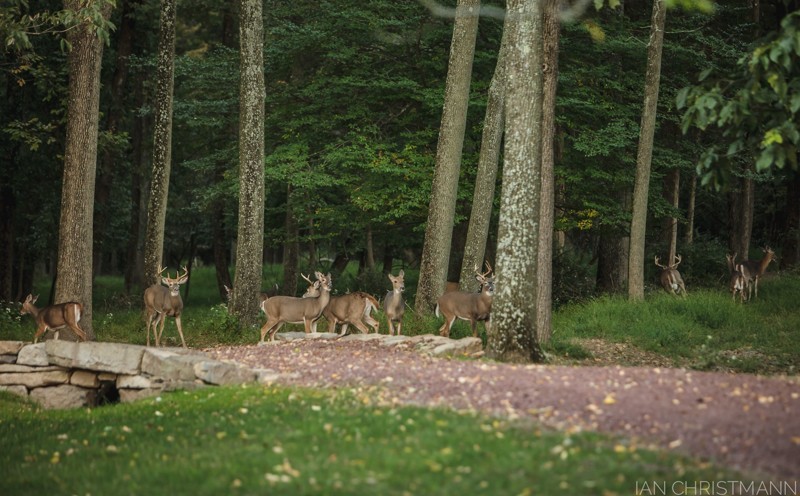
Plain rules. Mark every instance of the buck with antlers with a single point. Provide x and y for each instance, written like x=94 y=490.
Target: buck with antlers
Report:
x=351 y=308
x=393 y=304
x=289 y=309
x=738 y=281
x=165 y=301
x=54 y=317
x=753 y=270
x=474 y=307
x=670 y=278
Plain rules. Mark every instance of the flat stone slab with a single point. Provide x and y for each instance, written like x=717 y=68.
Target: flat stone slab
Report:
x=10 y=347
x=33 y=354
x=35 y=379
x=170 y=365
x=289 y=336
x=102 y=357
x=65 y=396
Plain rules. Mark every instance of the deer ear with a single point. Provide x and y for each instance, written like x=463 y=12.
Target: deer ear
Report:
x=401 y=274
x=33 y=300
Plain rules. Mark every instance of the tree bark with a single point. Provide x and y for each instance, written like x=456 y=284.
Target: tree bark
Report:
x=250 y=246
x=544 y=303
x=74 y=268
x=790 y=255
x=513 y=333
x=689 y=234
x=291 y=249
x=672 y=183
x=645 y=153
x=612 y=263
x=438 y=231
x=138 y=216
x=740 y=212
x=162 y=146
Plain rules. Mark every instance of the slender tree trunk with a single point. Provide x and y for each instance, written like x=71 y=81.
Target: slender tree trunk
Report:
x=370 y=252
x=513 y=333
x=291 y=249
x=438 y=231
x=486 y=178
x=672 y=182
x=612 y=263
x=689 y=235
x=790 y=255
x=645 y=153
x=250 y=246
x=80 y=163
x=138 y=216
x=162 y=146
x=740 y=211
x=544 y=304
x=7 y=207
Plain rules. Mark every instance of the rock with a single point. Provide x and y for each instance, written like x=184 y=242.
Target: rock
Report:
x=289 y=336
x=33 y=354
x=64 y=396
x=460 y=347
x=10 y=347
x=84 y=378
x=223 y=374
x=101 y=357
x=18 y=390
x=35 y=379
x=169 y=365
x=130 y=395
x=134 y=382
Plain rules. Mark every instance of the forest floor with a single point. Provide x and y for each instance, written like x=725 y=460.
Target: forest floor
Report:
x=747 y=422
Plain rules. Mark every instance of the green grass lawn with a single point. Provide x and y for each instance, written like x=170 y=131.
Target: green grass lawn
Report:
x=268 y=440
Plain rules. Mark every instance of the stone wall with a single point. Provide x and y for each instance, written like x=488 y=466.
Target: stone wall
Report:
x=64 y=374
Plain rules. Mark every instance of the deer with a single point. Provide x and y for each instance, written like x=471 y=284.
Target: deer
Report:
x=54 y=317
x=289 y=309
x=753 y=270
x=474 y=307
x=165 y=301
x=351 y=308
x=393 y=304
x=738 y=281
x=671 y=279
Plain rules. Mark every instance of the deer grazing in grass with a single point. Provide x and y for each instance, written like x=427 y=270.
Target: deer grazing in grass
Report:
x=753 y=270
x=351 y=308
x=289 y=309
x=393 y=304
x=54 y=317
x=474 y=307
x=165 y=301
x=738 y=281
x=670 y=278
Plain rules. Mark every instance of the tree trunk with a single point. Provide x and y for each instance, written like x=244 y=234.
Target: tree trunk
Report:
x=612 y=263
x=671 y=189
x=7 y=206
x=138 y=216
x=250 y=247
x=291 y=249
x=544 y=303
x=162 y=146
x=689 y=234
x=80 y=163
x=513 y=333
x=438 y=231
x=740 y=214
x=486 y=178
x=644 y=154
x=370 y=251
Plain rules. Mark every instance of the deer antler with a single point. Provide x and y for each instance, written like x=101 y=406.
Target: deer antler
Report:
x=185 y=273
x=161 y=271
x=677 y=262
x=658 y=264
x=306 y=278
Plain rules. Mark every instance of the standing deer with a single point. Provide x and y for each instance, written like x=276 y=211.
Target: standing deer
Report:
x=393 y=304
x=292 y=310
x=738 y=281
x=165 y=301
x=670 y=278
x=54 y=317
x=351 y=308
x=474 y=307
x=753 y=270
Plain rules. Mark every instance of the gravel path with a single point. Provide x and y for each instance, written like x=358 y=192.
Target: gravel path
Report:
x=747 y=422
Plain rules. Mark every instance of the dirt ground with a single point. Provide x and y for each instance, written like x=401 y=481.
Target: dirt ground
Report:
x=747 y=422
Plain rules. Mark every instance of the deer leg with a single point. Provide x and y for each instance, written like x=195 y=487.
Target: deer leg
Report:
x=78 y=331
x=474 y=326
x=360 y=326
x=39 y=331
x=399 y=326
x=372 y=323
x=163 y=318
x=391 y=326
x=445 y=329
x=267 y=327
x=180 y=331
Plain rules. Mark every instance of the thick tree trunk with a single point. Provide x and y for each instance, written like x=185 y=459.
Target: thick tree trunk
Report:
x=250 y=246
x=645 y=152
x=80 y=163
x=438 y=231
x=486 y=178
x=612 y=263
x=162 y=146
x=544 y=303
x=513 y=333
x=740 y=215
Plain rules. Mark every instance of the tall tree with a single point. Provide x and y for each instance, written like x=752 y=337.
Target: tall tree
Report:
x=439 y=229
x=250 y=241
x=644 y=155
x=74 y=268
x=544 y=295
x=162 y=146
x=483 y=196
x=513 y=335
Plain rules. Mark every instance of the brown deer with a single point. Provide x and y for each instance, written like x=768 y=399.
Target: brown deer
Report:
x=393 y=304
x=54 y=317
x=292 y=310
x=738 y=281
x=165 y=301
x=474 y=307
x=670 y=278
x=753 y=270
x=351 y=308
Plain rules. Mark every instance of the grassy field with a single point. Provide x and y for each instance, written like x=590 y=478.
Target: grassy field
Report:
x=259 y=440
